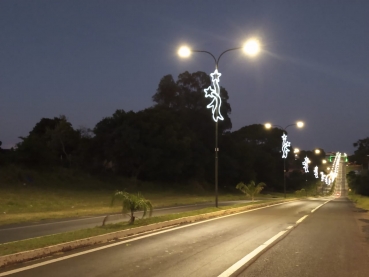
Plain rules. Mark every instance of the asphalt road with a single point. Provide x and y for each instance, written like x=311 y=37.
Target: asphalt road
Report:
x=17 y=232
x=329 y=243
x=203 y=249
x=312 y=237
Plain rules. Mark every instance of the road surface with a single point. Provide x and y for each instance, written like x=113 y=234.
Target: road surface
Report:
x=17 y=232
x=311 y=237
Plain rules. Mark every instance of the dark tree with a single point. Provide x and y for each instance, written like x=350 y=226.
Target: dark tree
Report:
x=51 y=142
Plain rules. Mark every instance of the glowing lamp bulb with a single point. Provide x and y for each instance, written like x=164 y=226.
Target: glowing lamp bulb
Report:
x=184 y=52
x=300 y=124
x=268 y=125
x=252 y=47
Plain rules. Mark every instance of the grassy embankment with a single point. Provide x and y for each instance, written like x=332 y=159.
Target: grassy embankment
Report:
x=28 y=196
x=360 y=201
x=33 y=196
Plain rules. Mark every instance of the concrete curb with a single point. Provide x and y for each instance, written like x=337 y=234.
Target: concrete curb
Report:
x=49 y=250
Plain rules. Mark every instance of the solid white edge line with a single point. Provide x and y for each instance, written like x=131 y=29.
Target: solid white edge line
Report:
x=125 y=241
x=249 y=256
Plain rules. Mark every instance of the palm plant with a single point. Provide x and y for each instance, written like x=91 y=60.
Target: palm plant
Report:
x=132 y=203
x=251 y=189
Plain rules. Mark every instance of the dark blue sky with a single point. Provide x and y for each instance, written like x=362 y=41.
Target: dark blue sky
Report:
x=85 y=59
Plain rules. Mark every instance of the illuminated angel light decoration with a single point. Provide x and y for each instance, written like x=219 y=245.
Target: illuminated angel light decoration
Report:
x=328 y=180
x=322 y=176
x=305 y=164
x=285 y=145
x=214 y=93
x=316 y=174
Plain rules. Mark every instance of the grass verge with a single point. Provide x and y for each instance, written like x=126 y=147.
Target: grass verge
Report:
x=22 y=204
x=35 y=243
x=360 y=201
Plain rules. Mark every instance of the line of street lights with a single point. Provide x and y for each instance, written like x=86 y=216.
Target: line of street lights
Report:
x=285 y=145
x=251 y=48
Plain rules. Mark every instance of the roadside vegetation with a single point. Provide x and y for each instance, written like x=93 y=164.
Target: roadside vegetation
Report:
x=250 y=189
x=131 y=203
x=34 y=243
x=29 y=195
x=358 y=182
x=29 y=204
x=360 y=201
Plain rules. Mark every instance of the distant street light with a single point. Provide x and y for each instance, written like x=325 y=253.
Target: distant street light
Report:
x=285 y=145
x=251 y=48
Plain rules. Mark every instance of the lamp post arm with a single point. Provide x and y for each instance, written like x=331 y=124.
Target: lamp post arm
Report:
x=202 y=51
x=217 y=62
x=290 y=125
x=280 y=127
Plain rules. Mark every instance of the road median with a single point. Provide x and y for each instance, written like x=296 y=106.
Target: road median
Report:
x=105 y=238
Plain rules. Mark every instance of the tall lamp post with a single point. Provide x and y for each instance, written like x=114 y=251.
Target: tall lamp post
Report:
x=252 y=48
x=285 y=147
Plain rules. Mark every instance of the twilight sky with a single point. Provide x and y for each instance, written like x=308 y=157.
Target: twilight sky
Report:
x=86 y=59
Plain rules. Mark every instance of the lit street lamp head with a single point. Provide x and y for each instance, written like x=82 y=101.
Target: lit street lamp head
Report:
x=300 y=124
x=184 y=51
x=268 y=125
x=252 y=47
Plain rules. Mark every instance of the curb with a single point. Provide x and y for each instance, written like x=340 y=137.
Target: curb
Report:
x=63 y=247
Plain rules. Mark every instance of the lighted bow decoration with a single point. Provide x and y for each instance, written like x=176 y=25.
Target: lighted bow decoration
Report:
x=305 y=164
x=215 y=94
x=285 y=145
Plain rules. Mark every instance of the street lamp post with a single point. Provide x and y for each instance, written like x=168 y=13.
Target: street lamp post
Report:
x=285 y=145
x=251 y=48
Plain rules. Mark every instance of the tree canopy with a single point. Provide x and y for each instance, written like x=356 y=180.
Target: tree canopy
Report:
x=171 y=143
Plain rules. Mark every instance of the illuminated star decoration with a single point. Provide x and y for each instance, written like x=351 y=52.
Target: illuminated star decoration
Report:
x=316 y=172
x=305 y=163
x=285 y=145
x=214 y=93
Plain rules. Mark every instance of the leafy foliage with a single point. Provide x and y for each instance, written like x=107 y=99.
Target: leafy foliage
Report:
x=132 y=203
x=170 y=144
x=251 y=189
x=359 y=183
x=361 y=154
x=51 y=142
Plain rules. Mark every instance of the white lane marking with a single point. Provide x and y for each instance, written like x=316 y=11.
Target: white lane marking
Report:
x=249 y=256
x=123 y=242
x=256 y=251
x=301 y=219
x=321 y=205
